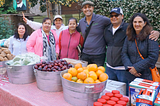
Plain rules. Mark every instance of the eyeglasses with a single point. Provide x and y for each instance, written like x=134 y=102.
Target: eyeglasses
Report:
x=114 y=15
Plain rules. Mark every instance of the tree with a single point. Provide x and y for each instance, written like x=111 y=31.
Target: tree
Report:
x=47 y=5
x=2 y=2
x=6 y=7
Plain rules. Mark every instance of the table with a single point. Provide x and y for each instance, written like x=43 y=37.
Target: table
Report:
x=28 y=95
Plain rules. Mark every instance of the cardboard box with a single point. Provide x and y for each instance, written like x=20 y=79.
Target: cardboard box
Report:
x=146 y=81
x=116 y=85
x=157 y=101
x=135 y=87
x=74 y=62
x=146 y=97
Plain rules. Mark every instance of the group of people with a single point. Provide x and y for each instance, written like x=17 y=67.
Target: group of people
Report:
x=123 y=41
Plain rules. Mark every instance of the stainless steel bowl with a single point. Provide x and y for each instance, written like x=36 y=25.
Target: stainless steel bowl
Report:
x=3 y=70
x=80 y=94
x=48 y=81
x=20 y=74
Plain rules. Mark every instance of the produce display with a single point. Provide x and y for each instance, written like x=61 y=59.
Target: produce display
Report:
x=57 y=65
x=5 y=54
x=24 y=59
x=88 y=75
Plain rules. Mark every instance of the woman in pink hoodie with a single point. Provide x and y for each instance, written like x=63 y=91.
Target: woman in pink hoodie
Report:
x=43 y=41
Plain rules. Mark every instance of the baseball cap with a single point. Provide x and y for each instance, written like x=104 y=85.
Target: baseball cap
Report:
x=58 y=16
x=87 y=2
x=117 y=10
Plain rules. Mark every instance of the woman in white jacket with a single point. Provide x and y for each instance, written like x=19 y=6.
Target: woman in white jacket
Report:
x=57 y=26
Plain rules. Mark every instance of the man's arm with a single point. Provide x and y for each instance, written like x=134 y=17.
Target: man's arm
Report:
x=154 y=35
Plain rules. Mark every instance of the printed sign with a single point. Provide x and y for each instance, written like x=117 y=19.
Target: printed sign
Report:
x=19 y=5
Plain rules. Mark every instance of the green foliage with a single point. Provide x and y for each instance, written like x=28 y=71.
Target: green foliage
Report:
x=150 y=8
x=6 y=28
x=7 y=8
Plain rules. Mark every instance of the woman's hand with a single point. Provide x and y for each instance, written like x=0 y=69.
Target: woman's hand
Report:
x=134 y=72
x=24 y=18
x=57 y=55
x=154 y=35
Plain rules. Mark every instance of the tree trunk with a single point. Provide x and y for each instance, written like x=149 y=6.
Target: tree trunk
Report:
x=47 y=8
x=51 y=11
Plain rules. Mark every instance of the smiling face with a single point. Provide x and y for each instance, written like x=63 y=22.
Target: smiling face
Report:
x=116 y=19
x=46 y=26
x=72 y=25
x=21 y=31
x=138 y=24
x=88 y=10
x=58 y=22
x=18 y=1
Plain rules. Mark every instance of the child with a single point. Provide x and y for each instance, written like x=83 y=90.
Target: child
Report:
x=69 y=39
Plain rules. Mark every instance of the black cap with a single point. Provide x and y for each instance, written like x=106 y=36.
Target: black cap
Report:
x=88 y=2
x=117 y=10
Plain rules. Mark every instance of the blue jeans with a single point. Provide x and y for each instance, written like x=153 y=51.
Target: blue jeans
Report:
x=118 y=75
x=94 y=59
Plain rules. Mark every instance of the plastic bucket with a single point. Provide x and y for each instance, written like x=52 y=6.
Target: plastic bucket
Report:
x=79 y=94
x=20 y=74
x=48 y=81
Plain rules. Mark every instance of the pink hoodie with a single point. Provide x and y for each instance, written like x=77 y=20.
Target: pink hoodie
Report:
x=35 y=42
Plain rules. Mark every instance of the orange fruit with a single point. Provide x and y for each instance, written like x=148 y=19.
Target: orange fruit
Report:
x=80 y=70
x=72 y=71
x=97 y=81
x=89 y=80
x=78 y=65
x=103 y=77
x=79 y=81
x=86 y=71
x=84 y=68
x=101 y=68
x=92 y=67
x=82 y=75
x=93 y=75
x=99 y=72
x=67 y=76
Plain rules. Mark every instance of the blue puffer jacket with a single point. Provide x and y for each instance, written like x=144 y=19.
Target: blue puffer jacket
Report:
x=130 y=56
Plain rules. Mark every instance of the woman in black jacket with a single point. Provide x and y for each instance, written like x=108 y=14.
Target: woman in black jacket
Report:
x=139 y=30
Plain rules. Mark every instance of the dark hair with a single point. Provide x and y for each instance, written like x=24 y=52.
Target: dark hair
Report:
x=131 y=33
x=73 y=19
x=44 y=20
x=16 y=35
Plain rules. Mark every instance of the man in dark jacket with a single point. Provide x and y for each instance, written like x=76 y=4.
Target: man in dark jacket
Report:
x=114 y=36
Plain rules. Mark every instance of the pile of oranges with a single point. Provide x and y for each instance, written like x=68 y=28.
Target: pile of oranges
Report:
x=88 y=75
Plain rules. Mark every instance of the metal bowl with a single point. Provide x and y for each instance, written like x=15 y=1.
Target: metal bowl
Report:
x=80 y=94
x=3 y=70
x=20 y=74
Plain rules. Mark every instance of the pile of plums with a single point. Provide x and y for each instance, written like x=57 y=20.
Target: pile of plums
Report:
x=57 y=65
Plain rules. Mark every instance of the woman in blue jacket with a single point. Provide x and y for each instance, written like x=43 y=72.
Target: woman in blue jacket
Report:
x=139 y=30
